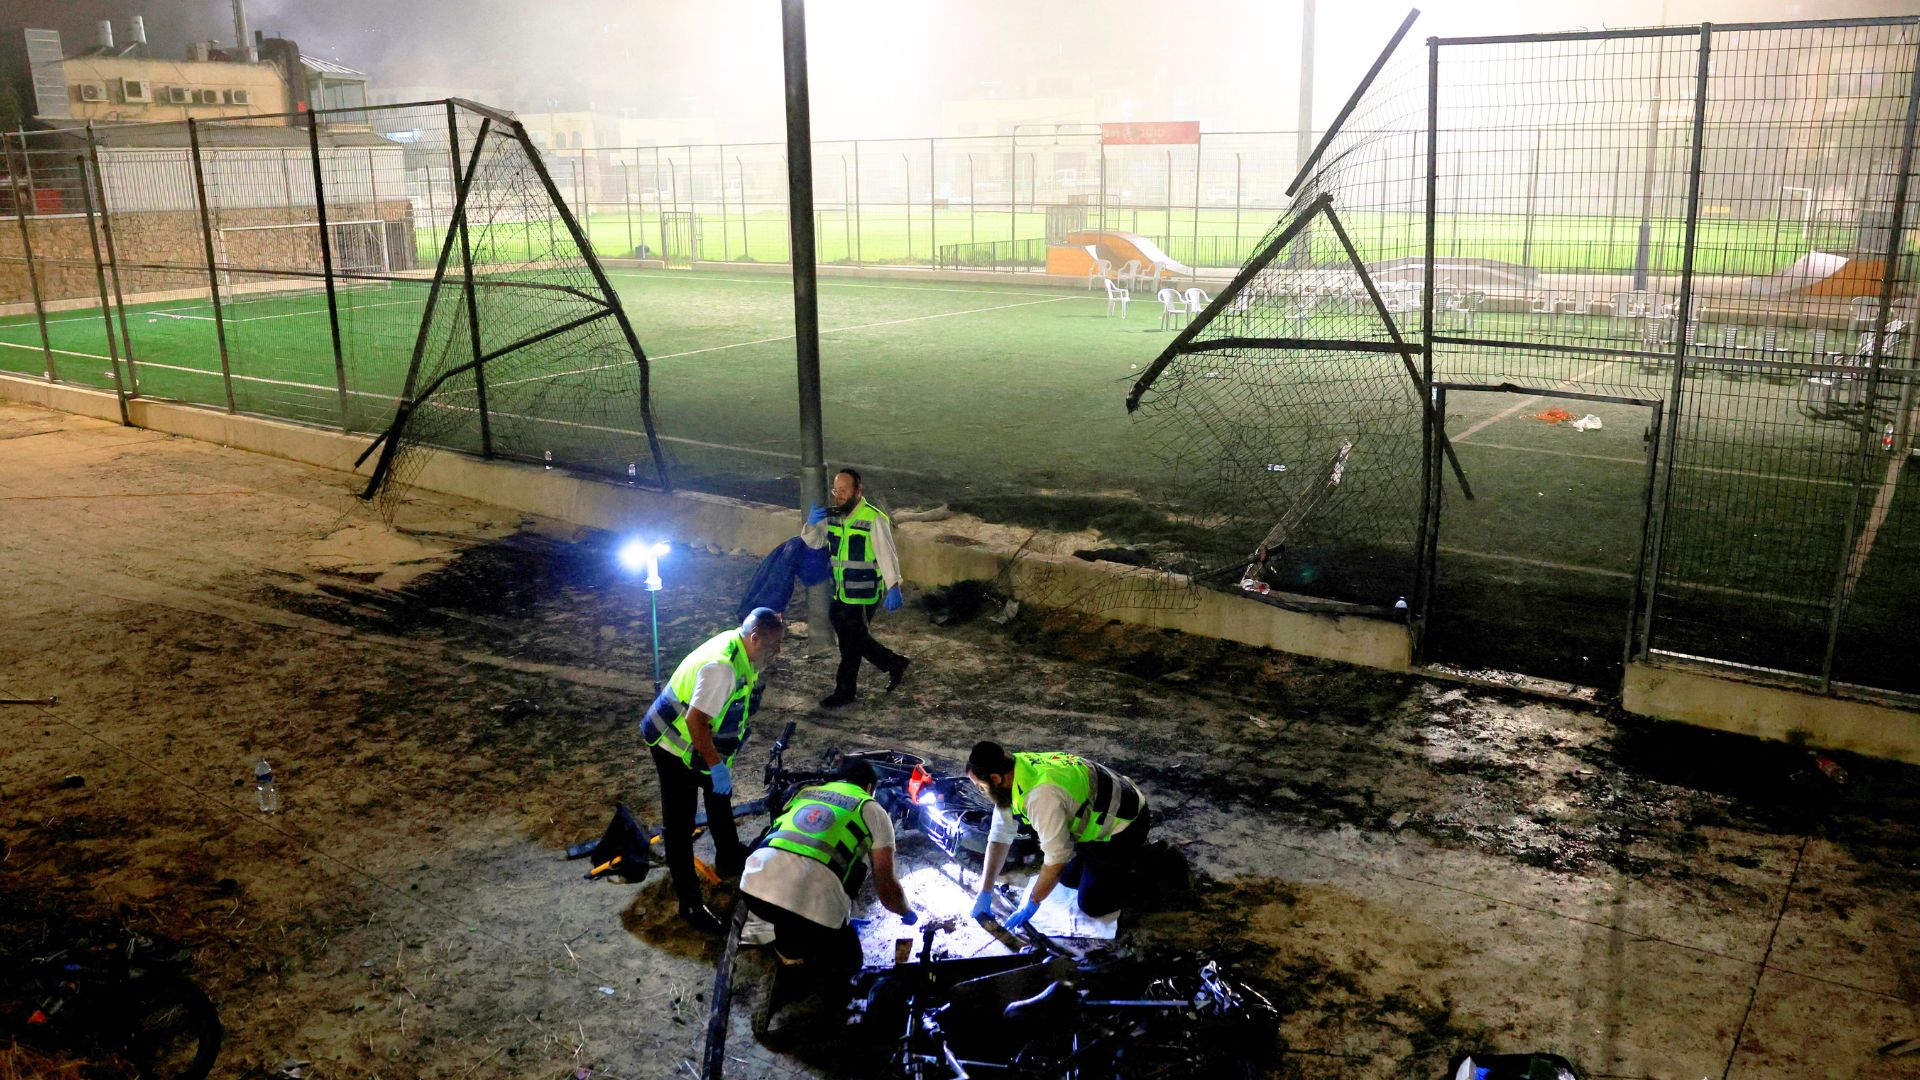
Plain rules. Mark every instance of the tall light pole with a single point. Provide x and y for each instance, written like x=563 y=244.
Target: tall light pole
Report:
x=806 y=298
x=1303 y=140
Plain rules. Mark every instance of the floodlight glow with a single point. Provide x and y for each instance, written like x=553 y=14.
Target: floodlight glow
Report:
x=637 y=555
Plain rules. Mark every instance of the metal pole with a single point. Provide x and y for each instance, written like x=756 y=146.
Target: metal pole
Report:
x=933 y=214
x=1425 y=539
x=213 y=269
x=1103 y=180
x=1303 y=137
x=907 y=166
x=746 y=248
x=1533 y=184
x=1613 y=211
x=1169 y=198
x=1013 y=188
x=326 y=266
x=1194 y=260
x=26 y=248
x=973 y=198
x=100 y=280
x=846 y=207
x=1678 y=386
x=113 y=259
x=1642 y=253
x=673 y=179
x=806 y=305
x=1236 y=205
x=1845 y=573
x=467 y=291
x=626 y=200
x=859 y=210
x=726 y=236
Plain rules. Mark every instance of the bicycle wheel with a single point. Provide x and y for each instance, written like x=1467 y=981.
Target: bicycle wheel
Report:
x=174 y=1032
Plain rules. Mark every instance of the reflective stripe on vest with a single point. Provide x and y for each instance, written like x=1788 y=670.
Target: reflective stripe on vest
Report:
x=665 y=724
x=856 y=574
x=1103 y=800
x=823 y=823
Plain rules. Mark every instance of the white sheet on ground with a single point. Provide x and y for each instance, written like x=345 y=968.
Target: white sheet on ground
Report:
x=1060 y=916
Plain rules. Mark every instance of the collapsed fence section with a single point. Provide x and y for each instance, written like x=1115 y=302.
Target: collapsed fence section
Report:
x=1660 y=287
x=285 y=266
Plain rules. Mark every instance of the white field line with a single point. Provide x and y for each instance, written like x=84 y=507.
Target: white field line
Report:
x=1524 y=403
x=1576 y=568
x=138 y=364
x=347 y=310
x=1642 y=462
x=831 y=283
x=785 y=337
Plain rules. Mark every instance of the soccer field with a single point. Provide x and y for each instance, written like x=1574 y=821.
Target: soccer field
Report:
x=1008 y=401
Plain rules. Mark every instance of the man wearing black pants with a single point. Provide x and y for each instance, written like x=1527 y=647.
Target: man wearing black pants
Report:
x=858 y=537
x=694 y=727
x=1092 y=823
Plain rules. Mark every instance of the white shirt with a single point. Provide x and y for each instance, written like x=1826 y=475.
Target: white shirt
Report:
x=807 y=887
x=713 y=684
x=884 y=552
x=1050 y=811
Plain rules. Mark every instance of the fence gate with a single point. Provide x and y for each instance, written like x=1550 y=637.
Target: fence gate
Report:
x=1555 y=537
x=679 y=237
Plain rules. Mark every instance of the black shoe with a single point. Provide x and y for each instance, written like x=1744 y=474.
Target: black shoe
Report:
x=898 y=673
x=836 y=699
x=700 y=917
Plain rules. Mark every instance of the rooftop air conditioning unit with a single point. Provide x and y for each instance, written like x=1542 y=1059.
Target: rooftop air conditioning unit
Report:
x=239 y=97
x=179 y=95
x=136 y=90
x=209 y=97
x=92 y=92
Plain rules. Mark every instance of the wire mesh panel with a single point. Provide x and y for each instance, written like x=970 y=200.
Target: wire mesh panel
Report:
x=1290 y=414
x=522 y=350
x=50 y=187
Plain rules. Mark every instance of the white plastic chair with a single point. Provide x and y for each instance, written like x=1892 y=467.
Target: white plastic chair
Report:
x=1116 y=295
x=1173 y=307
x=1101 y=268
x=1197 y=301
x=1130 y=272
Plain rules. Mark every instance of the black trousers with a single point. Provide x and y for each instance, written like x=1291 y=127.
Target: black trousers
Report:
x=679 y=786
x=828 y=951
x=857 y=644
x=1104 y=871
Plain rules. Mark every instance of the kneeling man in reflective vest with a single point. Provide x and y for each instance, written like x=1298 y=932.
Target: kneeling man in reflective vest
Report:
x=1092 y=824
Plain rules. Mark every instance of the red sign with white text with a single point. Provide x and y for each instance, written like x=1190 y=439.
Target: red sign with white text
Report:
x=1152 y=132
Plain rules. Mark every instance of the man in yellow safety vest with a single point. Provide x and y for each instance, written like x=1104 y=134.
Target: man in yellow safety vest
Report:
x=1092 y=824
x=694 y=727
x=858 y=537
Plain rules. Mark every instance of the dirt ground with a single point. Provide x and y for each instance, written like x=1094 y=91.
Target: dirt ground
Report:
x=1409 y=869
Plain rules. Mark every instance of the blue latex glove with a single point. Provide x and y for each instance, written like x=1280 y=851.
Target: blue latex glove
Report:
x=816 y=514
x=722 y=779
x=983 y=905
x=910 y=917
x=892 y=602
x=1020 y=918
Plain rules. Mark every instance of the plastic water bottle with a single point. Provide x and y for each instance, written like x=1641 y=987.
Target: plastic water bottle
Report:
x=549 y=456
x=632 y=472
x=1886 y=438
x=263 y=790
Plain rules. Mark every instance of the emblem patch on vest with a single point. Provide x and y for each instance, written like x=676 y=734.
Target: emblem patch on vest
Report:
x=814 y=819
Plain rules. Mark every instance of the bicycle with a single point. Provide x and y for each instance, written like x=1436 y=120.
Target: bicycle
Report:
x=124 y=1000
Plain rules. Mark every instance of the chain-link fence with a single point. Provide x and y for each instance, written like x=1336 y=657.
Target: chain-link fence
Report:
x=1653 y=294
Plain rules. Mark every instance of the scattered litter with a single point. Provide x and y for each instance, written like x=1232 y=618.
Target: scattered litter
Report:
x=514 y=707
x=1901 y=1048
x=1007 y=613
x=1211 y=375
x=1830 y=768
x=1254 y=585
x=607 y=990
x=1554 y=416
x=1589 y=422
x=291 y=1069
x=73 y=780
x=1276 y=468
x=1258 y=722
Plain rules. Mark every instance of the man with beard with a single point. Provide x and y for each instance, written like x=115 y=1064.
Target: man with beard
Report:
x=1092 y=824
x=858 y=537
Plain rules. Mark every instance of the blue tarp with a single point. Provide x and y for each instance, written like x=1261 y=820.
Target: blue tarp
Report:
x=772 y=584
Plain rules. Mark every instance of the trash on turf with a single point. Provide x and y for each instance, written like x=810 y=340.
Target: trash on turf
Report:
x=1588 y=422
x=1554 y=416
